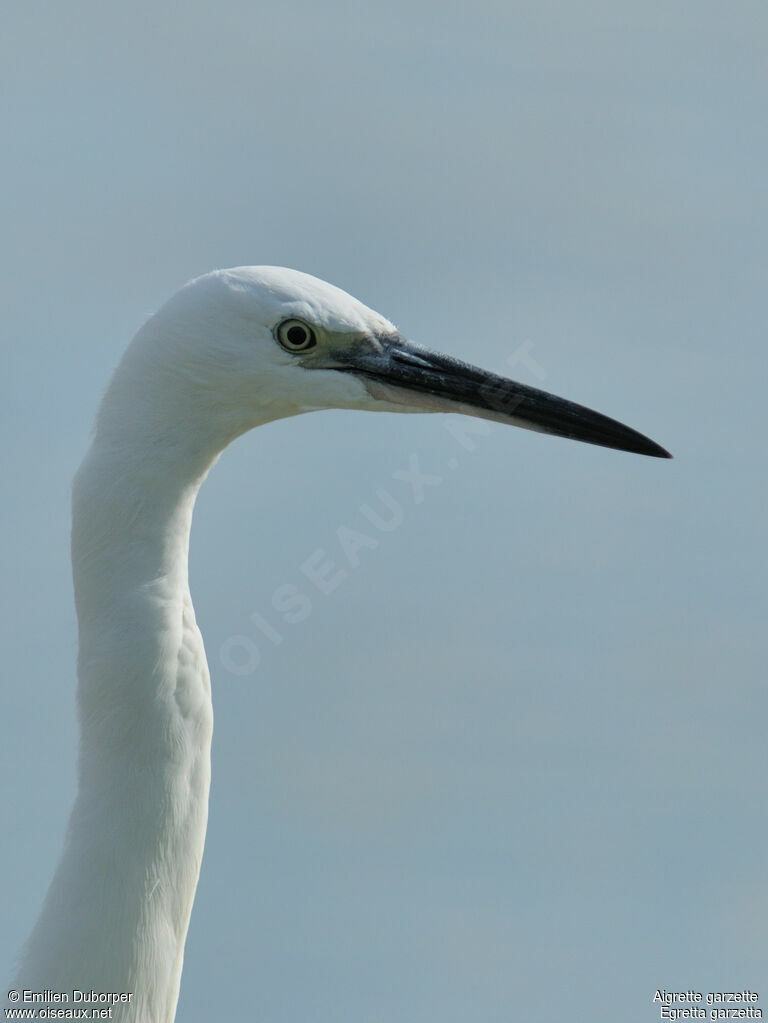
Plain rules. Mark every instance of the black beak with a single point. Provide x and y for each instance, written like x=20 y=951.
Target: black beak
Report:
x=401 y=373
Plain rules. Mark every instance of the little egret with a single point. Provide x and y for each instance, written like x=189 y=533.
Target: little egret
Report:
x=231 y=350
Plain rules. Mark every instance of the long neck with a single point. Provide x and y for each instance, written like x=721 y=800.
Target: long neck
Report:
x=116 y=915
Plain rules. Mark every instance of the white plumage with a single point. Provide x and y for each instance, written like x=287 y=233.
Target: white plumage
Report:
x=230 y=351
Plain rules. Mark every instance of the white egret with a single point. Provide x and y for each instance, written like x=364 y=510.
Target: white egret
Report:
x=232 y=350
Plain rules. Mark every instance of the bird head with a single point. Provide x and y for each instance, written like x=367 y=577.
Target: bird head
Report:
x=244 y=346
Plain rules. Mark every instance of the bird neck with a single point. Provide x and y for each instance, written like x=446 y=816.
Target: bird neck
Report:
x=117 y=912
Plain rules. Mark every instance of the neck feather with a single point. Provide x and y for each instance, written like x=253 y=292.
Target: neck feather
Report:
x=116 y=915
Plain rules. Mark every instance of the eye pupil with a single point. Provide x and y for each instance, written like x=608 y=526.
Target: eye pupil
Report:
x=296 y=336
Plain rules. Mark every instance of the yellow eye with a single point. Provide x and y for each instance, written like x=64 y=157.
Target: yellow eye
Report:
x=296 y=336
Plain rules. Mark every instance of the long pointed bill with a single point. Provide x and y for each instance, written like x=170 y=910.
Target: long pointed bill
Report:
x=402 y=373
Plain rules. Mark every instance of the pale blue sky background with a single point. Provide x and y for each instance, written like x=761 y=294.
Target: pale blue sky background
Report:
x=514 y=767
